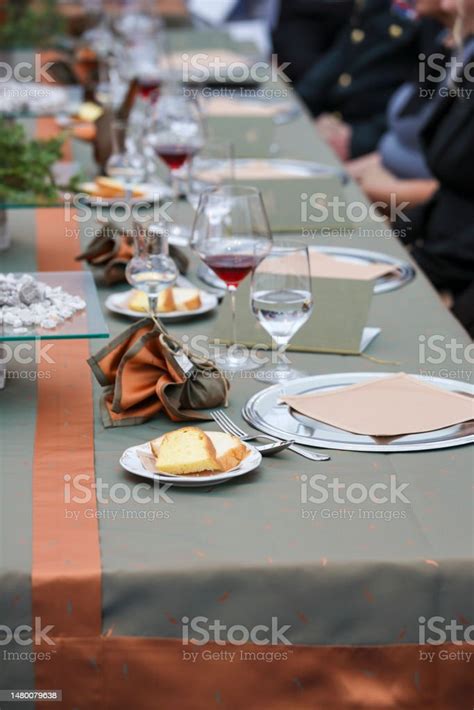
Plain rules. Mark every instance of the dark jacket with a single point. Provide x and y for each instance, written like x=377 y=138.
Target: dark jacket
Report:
x=443 y=230
x=305 y=30
x=355 y=79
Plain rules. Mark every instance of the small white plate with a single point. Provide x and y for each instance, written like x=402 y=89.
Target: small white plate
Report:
x=117 y=303
x=131 y=461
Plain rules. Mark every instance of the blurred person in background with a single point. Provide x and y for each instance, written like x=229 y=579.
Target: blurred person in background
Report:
x=305 y=30
x=399 y=167
x=442 y=230
x=349 y=87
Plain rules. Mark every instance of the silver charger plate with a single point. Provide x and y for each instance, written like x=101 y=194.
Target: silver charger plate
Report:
x=404 y=274
x=264 y=412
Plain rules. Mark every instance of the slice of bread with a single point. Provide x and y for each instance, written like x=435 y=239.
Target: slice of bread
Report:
x=187 y=299
x=230 y=451
x=108 y=187
x=171 y=299
x=89 y=111
x=190 y=450
x=186 y=450
x=139 y=301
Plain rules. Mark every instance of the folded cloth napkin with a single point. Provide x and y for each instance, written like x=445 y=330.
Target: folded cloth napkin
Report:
x=204 y=58
x=249 y=170
x=390 y=406
x=222 y=106
x=146 y=371
x=112 y=249
x=103 y=125
x=326 y=266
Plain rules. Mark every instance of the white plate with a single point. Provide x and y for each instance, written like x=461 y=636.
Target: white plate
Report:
x=151 y=194
x=131 y=462
x=117 y=303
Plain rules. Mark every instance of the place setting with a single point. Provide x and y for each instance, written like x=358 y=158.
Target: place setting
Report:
x=372 y=412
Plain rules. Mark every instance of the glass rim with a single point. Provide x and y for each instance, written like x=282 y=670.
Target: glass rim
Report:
x=288 y=247
x=233 y=190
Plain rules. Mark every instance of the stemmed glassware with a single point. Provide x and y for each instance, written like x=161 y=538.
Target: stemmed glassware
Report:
x=110 y=89
x=176 y=134
x=282 y=301
x=151 y=269
x=214 y=165
x=232 y=235
x=124 y=164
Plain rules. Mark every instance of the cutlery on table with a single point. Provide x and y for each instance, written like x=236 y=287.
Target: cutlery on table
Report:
x=230 y=427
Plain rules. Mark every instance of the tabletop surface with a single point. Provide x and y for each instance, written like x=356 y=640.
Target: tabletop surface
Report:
x=336 y=571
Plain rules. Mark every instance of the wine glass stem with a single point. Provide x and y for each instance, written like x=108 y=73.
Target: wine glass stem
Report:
x=232 y=291
x=282 y=367
x=153 y=305
x=175 y=185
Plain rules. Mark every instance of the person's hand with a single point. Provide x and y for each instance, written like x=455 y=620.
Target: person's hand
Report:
x=358 y=167
x=378 y=183
x=336 y=133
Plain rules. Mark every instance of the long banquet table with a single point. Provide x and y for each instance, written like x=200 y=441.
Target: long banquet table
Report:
x=116 y=579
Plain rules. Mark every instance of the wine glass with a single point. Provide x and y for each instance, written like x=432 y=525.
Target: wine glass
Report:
x=282 y=301
x=143 y=60
x=137 y=18
x=232 y=235
x=110 y=89
x=214 y=165
x=125 y=165
x=151 y=269
x=176 y=134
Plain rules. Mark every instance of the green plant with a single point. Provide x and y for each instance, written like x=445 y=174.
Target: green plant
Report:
x=28 y=24
x=26 y=165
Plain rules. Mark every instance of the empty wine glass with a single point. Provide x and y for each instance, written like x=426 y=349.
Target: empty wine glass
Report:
x=137 y=18
x=176 y=134
x=214 y=165
x=151 y=269
x=282 y=301
x=110 y=89
x=232 y=235
x=125 y=165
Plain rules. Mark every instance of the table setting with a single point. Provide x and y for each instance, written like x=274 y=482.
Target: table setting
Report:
x=209 y=369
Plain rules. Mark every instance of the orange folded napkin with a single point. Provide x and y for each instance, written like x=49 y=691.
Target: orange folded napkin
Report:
x=145 y=371
x=390 y=406
x=112 y=249
x=326 y=266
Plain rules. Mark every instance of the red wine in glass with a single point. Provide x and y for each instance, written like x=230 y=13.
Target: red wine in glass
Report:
x=149 y=87
x=232 y=268
x=176 y=155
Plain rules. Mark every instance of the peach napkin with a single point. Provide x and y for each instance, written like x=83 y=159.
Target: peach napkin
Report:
x=390 y=406
x=203 y=58
x=326 y=266
x=250 y=170
x=222 y=106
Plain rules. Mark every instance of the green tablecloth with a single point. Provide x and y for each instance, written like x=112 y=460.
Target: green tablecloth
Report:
x=334 y=580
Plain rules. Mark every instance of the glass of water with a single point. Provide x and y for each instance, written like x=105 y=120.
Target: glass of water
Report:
x=151 y=270
x=282 y=301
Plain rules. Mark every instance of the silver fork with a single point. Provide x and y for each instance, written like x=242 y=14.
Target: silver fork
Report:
x=229 y=426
